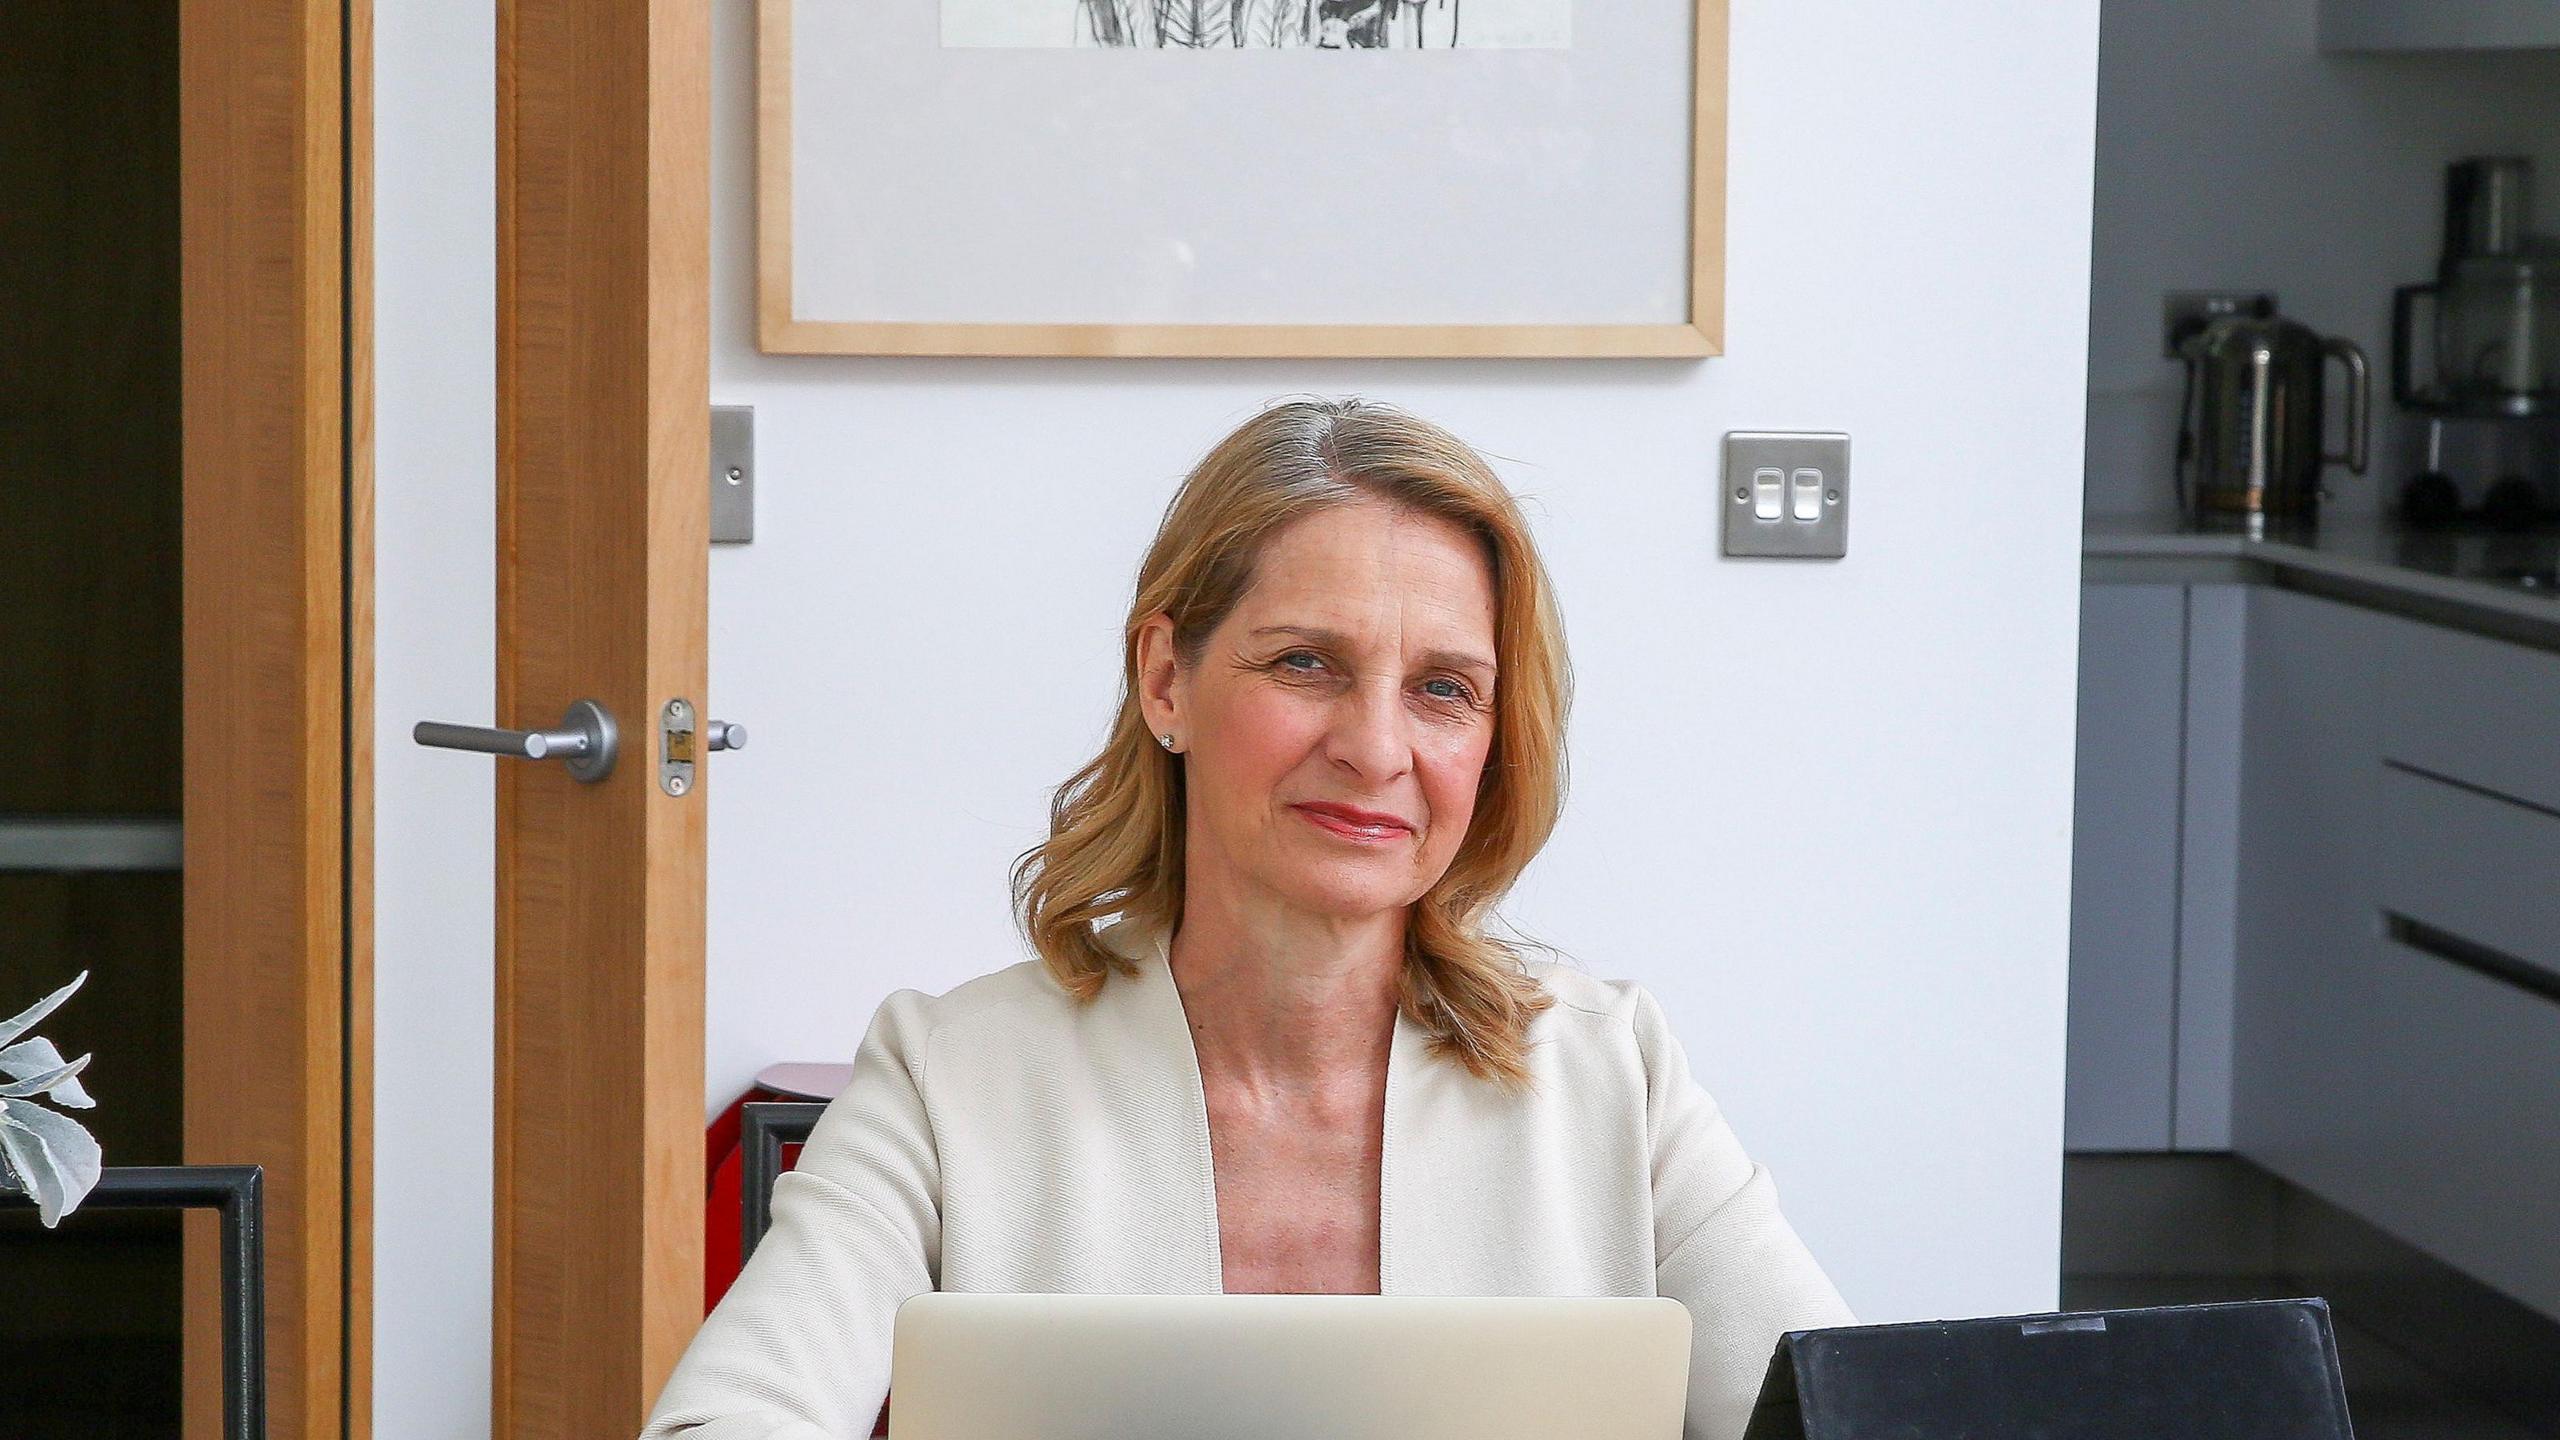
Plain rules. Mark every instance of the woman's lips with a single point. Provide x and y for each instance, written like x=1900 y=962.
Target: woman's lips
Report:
x=1350 y=829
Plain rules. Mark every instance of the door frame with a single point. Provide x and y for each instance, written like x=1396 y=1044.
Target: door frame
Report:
x=275 y=223
x=276 y=140
x=603 y=558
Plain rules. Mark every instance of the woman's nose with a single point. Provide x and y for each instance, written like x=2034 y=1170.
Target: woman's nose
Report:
x=1370 y=735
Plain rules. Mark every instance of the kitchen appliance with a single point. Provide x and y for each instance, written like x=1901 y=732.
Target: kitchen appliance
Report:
x=2250 y=443
x=2493 y=310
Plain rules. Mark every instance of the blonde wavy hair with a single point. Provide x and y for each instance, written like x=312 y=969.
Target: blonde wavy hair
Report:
x=1115 y=846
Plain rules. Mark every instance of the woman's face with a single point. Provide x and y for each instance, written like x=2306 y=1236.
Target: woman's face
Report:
x=1337 y=724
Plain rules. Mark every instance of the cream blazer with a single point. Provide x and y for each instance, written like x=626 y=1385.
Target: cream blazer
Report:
x=1001 y=1137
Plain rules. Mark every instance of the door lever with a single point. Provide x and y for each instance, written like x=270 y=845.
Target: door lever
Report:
x=584 y=738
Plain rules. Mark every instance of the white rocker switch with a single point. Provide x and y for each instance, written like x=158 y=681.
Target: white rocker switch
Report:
x=1805 y=486
x=1768 y=492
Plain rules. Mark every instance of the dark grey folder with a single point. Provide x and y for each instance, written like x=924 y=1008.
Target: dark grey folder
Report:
x=2248 y=1370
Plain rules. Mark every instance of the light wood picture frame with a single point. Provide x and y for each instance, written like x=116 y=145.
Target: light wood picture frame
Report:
x=784 y=326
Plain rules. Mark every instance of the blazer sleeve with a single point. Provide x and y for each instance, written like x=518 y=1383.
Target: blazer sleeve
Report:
x=1720 y=1246
x=799 y=1347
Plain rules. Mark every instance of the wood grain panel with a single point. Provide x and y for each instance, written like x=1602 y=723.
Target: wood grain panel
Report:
x=1710 y=86
x=603 y=519
x=263 y=618
x=357 y=1282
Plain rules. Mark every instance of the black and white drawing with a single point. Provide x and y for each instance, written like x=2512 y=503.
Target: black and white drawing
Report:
x=1258 y=24
x=1270 y=24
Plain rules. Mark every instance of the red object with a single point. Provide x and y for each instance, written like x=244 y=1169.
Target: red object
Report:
x=725 y=1165
x=725 y=1171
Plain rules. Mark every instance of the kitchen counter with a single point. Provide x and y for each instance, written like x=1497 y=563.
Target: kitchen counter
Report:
x=2501 y=585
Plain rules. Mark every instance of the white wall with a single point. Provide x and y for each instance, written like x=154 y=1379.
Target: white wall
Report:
x=435 y=462
x=1823 y=810
x=2232 y=154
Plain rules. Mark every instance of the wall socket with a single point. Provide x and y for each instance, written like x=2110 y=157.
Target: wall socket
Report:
x=2184 y=312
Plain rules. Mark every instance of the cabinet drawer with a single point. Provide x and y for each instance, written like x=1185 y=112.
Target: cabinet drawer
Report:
x=2479 y=711
x=2453 y=1105
x=2483 y=870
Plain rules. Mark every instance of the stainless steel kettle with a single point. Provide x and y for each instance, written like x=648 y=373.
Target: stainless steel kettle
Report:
x=2251 y=438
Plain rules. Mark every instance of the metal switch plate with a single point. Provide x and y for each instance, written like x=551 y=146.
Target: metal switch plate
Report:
x=733 y=474
x=1786 y=494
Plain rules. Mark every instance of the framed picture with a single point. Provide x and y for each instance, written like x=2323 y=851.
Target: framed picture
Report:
x=1241 y=177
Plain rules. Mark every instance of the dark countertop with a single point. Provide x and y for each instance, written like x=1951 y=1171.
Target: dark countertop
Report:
x=2492 y=583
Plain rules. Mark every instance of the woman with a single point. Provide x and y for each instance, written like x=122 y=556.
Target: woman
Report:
x=1291 y=1057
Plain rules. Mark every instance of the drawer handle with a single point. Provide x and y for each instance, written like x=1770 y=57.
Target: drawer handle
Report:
x=2473 y=956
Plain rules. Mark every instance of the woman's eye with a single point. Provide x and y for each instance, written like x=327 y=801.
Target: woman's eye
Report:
x=1454 y=690
x=1314 y=662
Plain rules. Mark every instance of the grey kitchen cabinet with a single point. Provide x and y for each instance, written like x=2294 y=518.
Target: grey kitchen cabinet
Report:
x=2472 y=711
x=2306 y=931
x=2124 y=868
x=2411 y=25
x=2153 y=871
x=2458 y=1118
x=2398 y=1015
x=2477 y=868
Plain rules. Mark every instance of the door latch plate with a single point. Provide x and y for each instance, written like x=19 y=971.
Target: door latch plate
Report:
x=676 y=747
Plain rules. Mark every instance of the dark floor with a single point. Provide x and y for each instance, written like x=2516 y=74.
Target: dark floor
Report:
x=2172 y=1230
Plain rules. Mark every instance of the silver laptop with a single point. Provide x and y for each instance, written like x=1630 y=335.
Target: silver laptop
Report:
x=1286 y=1367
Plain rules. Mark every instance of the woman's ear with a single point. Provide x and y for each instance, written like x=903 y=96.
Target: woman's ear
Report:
x=1157 y=697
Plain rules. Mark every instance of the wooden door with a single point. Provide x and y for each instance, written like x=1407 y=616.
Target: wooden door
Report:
x=275 y=259
x=603 y=537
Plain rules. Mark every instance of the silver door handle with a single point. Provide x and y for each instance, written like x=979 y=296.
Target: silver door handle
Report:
x=584 y=737
x=726 y=735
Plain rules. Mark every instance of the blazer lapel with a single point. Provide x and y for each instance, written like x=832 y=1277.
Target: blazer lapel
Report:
x=1163 y=1113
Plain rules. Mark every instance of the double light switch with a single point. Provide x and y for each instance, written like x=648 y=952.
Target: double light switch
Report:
x=1786 y=494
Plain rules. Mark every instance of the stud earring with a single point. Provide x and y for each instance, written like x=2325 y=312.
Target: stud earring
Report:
x=1165 y=740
